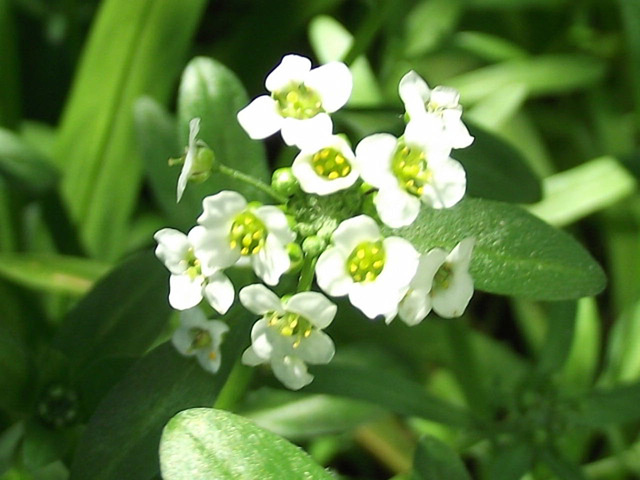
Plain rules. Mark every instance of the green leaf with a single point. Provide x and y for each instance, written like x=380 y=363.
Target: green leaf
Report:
x=121 y=439
x=213 y=93
x=51 y=273
x=298 y=416
x=488 y=47
x=510 y=462
x=623 y=349
x=9 y=68
x=560 y=466
x=96 y=145
x=435 y=460
x=428 y=23
x=331 y=42
x=560 y=334
x=387 y=390
x=515 y=253
x=543 y=75
x=99 y=326
x=606 y=407
x=204 y=443
x=496 y=170
x=24 y=167
x=582 y=190
x=498 y=108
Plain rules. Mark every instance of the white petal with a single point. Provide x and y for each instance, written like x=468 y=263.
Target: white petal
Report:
x=260 y=118
x=429 y=264
x=396 y=207
x=184 y=292
x=219 y=292
x=305 y=132
x=426 y=132
x=260 y=300
x=271 y=261
x=213 y=250
x=452 y=302
x=292 y=69
x=455 y=130
x=185 y=173
x=352 y=232
x=447 y=186
x=375 y=298
x=291 y=371
x=260 y=343
x=314 y=306
x=444 y=97
x=373 y=158
x=209 y=359
x=219 y=209
x=276 y=222
x=460 y=256
x=251 y=358
x=401 y=263
x=193 y=318
x=333 y=81
x=317 y=348
x=172 y=249
x=331 y=272
x=414 y=307
x=311 y=182
x=414 y=92
x=182 y=341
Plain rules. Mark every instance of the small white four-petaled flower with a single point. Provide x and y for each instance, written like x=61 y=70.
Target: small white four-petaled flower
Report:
x=192 y=275
x=300 y=101
x=441 y=103
x=442 y=282
x=372 y=270
x=238 y=232
x=200 y=337
x=289 y=335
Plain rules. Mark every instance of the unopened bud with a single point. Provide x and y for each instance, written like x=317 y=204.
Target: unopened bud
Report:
x=313 y=245
x=284 y=182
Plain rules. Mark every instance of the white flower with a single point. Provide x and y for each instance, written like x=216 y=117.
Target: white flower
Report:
x=185 y=173
x=325 y=166
x=372 y=270
x=238 y=232
x=289 y=335
x=409 y=171
x=300 y=101
x=200 y=337
x=442 y=282
x=191 y=276
x=441 y=102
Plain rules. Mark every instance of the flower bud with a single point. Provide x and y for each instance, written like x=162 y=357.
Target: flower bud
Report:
x=313 y=245
x=284 y=182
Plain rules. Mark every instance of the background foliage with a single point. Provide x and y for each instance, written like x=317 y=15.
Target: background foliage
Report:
x=540 y=379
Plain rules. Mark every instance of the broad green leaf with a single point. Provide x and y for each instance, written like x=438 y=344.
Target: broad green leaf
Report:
x=551 y=74
x=496 y=170
x=213 y=93
x=387 y=390
x=435 y=460
x=488 y=47
x=510 y=462
x=204 y=443
x=9 y=68
x=96 y=144
x=298 y=416
x=52 y=273
x=331 y=42
x=122 y=437
x=24 y=167
x=607 y=407
x=100 y=326
x=428 y=23
x=582 y=190
x=515 y=253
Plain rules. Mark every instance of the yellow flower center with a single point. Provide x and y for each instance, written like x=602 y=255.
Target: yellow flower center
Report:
x=291 y=325
x=201 y=339
x=193 y=265
x=409 y=165
x=442 y=278
x=366 y=261
x=247 y=232
x=330 y=163
x=298 y=101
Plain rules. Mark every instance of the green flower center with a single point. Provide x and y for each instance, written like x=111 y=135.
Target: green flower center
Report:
x=248 y=233
x=291 y=325
x=201 y=338
x=366 y=261
x=442 y=278
x=193 y=265
x=298 y=101
x=409 y=165
x=330 y=163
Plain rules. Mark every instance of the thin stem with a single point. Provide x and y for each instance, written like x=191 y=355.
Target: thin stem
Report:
x=306 y=275
x=254 y=182
x=235 y=386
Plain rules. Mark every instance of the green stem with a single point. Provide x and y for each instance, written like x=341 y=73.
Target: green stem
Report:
x=234 y=387
x=254 y=182
x=306 y=275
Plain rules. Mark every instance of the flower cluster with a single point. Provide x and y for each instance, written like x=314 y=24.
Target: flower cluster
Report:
x=324 y=225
